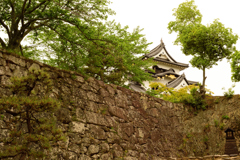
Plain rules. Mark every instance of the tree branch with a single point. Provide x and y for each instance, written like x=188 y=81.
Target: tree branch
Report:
x=44 y=7
x=79 y=30
x=37 y=7
x=13 y=113
x=23 y=10
x=65 y=37
x=36 y=27
x=5 y=26
x=13 y=25
x=29 y=3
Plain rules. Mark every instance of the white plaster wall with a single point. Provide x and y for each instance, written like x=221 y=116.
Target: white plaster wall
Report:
x=146 y=84
x=163 y=52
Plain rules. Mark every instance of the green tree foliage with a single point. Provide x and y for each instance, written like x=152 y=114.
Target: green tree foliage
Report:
x=114 y=58
x=187 y=95
x=75 y=35
x=18 y=18
x=29 y=118
x=235 y=66
x=208 y=44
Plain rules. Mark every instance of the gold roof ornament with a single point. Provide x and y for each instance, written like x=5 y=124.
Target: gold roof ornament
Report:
x=172 y=76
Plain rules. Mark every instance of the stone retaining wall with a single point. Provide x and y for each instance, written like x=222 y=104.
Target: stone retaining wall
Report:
x=102 y=121
x=105 y=121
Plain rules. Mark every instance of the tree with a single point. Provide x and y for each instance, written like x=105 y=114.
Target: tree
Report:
x=18 y=18
x=29 y=118
x=76 y=36
x=207 y=44
x=235 y=66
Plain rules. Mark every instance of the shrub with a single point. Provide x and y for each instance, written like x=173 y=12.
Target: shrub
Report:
x=187 y=95
x=230 y=92
x=225 y=117
x=189 y=135
x=207 y=126
x=222 y=126
x=216 y=100
x=205 y=139
x=216 y=123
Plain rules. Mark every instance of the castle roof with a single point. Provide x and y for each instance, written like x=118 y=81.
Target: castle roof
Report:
x=168 y=72
x=174 y=83
x=192 y=82
x=161 y=55
x=137 y=87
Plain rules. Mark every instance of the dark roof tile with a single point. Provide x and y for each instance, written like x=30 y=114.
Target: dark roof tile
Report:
x=157 y=50
x=177 y=81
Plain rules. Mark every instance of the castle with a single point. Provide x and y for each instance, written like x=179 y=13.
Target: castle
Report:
x=167 y=70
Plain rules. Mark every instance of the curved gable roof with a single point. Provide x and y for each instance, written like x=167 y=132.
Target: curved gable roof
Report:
x=170 y=71
x=155 y=51
x=174 y=83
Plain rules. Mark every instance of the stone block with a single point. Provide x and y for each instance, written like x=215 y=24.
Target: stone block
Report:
x=75 y=148
x=95 y=118
x=34 y=66
x=98 y=132
x=118 y=112
x=16 y=60
x=77 y=127
x=93 y=149
x=2 y=62
x=69 y=155
x=117 y=151
x=104 y=147
x=94 y=85
x=8 y=72
x=110 y=90
x=109 y=101
x=5 y=81
x=63 y=115
x=92 y=106
x=19 y=72
x=2 y=70
x=84 y=157
x=80 y=79
x=153 y=112
x=93 y=97
x=106 y=156
x=103 y=93
x=130 y=158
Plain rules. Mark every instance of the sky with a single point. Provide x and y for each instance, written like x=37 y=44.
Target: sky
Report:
x=154 y=15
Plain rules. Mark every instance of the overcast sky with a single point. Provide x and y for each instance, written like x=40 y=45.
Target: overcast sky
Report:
x=154 y=16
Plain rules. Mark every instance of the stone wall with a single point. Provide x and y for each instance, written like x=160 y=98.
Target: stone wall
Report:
x=105 y=121
x=102 y=121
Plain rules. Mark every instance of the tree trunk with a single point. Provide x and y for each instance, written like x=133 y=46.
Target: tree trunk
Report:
x=24 y=154
x=14 y=45
x=202 y=87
